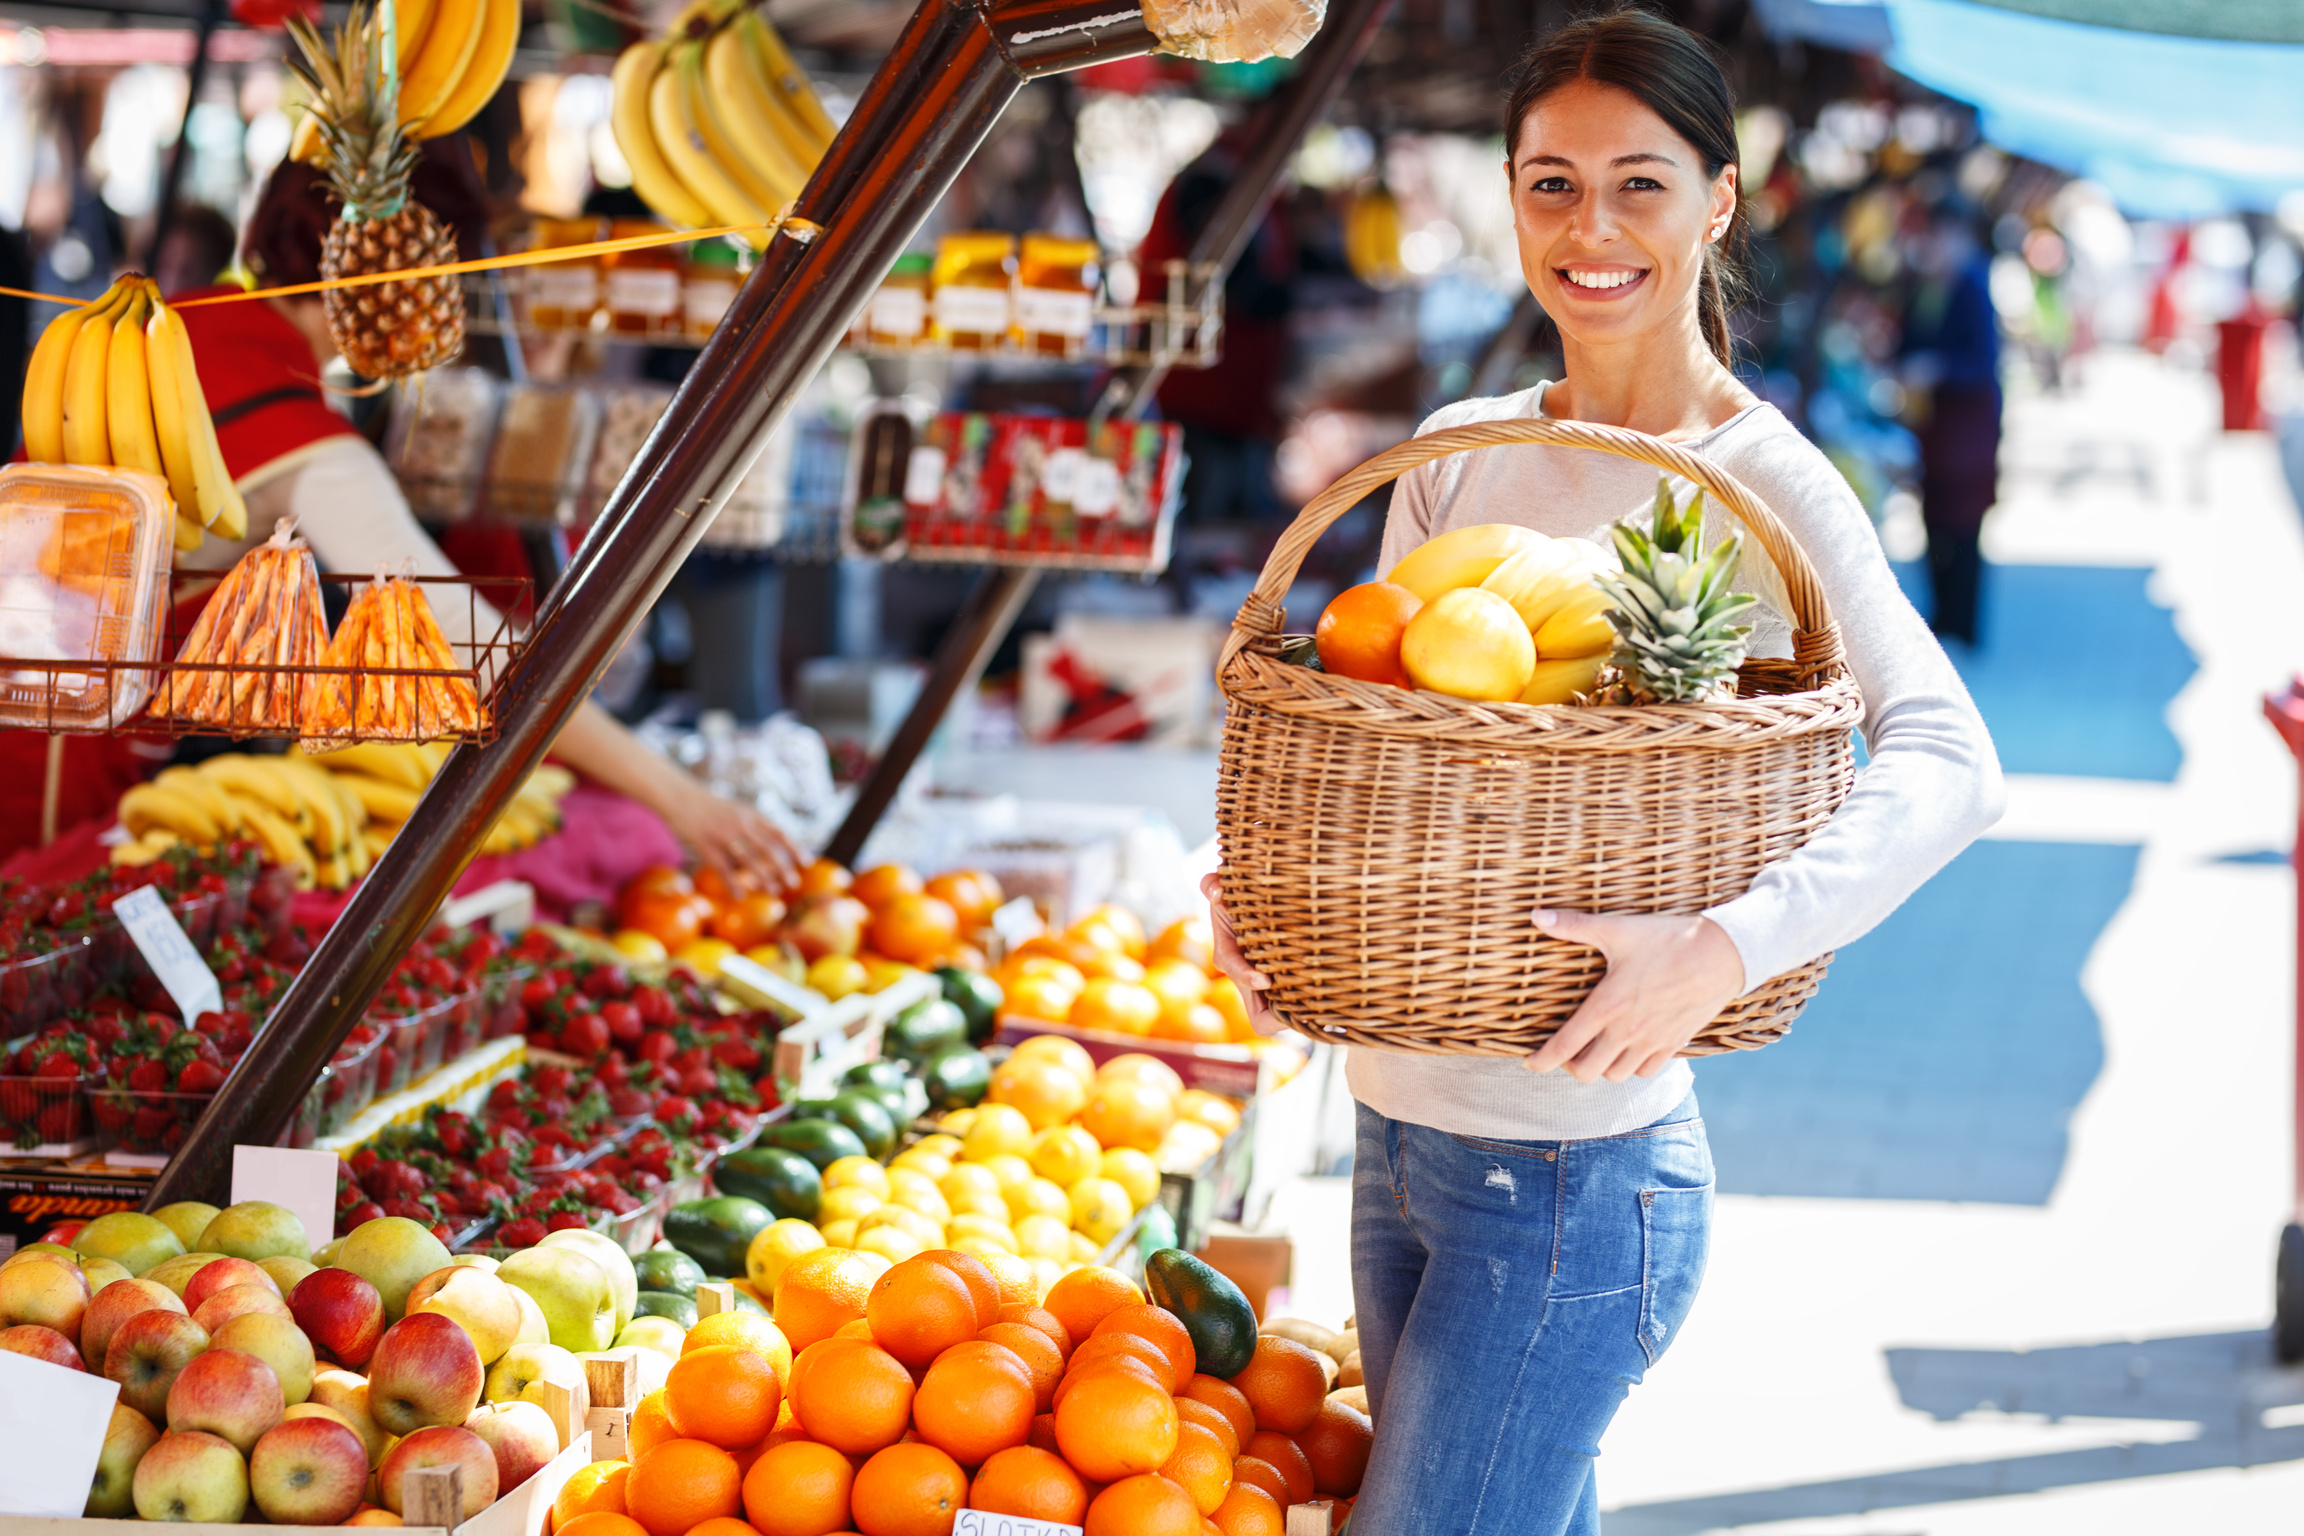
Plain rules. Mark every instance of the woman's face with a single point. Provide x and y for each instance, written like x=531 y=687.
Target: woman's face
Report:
x=1613 y=211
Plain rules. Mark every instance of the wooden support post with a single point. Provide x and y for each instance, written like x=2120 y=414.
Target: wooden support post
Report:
x=433 y=1496
x=567 y=1403
x=614 y=1381
x=714 y=1297
x=1313 y=1517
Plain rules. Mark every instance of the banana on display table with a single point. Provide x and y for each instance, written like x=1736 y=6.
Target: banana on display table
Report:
x=328 y=816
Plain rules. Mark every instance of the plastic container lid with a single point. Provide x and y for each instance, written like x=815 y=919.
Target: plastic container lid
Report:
x=84 y=561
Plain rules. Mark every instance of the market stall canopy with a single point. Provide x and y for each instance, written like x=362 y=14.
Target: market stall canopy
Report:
x=2179 y=108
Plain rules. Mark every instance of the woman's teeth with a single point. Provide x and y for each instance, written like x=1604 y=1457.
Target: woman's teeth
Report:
x=1602 y=279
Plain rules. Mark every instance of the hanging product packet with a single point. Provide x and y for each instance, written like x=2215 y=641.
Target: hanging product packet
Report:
x=245 y=667
x=391 y=675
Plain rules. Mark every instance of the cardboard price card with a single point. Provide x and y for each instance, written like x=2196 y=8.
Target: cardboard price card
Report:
x=983 y=488
x=975 y=1522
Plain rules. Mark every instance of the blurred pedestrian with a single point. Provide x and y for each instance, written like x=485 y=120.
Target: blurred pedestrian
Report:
x=1950 y=355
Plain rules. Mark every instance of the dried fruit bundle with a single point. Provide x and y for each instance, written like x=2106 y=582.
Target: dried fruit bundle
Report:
x=392 y=675
x=238 y=671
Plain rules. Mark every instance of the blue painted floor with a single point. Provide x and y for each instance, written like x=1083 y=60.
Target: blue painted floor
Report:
x=1948 y=1049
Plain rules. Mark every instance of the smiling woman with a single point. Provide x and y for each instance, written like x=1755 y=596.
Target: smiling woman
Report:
x=1528 y=1236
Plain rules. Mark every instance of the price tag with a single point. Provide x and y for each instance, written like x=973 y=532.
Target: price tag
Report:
x=52 y=1427
x=1060 y=476
x=301 y=1180
x=1017 y=921
x=975 y=1522
x=170 y=954
x=1096 y=491
x=924 y=476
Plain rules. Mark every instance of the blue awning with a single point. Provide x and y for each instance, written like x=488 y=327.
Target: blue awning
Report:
x=2173 y=127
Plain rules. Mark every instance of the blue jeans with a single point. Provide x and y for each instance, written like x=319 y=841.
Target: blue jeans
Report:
x=1509 y=1294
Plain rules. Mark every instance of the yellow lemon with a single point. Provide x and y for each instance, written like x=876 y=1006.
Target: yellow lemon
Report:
x=1100 y=1209
x=1065 y=1154
x=953 y=1126
x=635 y=945
x=1010 y=1170
x=1186 y=1147
x=997 y=1129
x=978 y=1245
x=983 y=1228
x=979 y=1202
x=1045 y=1237
x=1468 y=644
x=703 y=956
x=775 y=1246
x=1177 y=983
x=928 y=1202
x=968 y=1179
x=857 y=1173
x=891 y=1242
x=904 y=1176
x=1042 y=1197
x=1068 y=1054
x=1216 y=1112
x=1134 y=1172
x=840 y=1234
x=1045 y=1270
x=1085 y=1250
x=926 y=1164
x=926 y=1230
x=836 y=976
x=847 y=1203
x=938 y=1144
x=878 y=1265
x=880 y=974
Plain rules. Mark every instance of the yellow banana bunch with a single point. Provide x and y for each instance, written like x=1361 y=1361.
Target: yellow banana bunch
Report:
x=113 y=383
x=1372 y=233
x=716 y=120
x=453 y=56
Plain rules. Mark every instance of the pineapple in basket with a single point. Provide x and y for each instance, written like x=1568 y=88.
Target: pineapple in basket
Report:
x=385 y=330
x=1677 y=639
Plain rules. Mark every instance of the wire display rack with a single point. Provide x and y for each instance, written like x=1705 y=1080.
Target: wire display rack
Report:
x=270 y=700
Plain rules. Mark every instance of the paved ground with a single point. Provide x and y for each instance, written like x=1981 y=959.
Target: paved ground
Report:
x=1994 y=1249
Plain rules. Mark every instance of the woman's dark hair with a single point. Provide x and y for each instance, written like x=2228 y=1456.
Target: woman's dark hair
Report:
x=1676 y=75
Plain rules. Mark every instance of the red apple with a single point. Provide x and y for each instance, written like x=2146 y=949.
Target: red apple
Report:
x=41 y=1344
x=51 y=1293
x=192 y=1476
x=221 y=1275
x=346 y=1394
x=426 y=1372
x=308 y=1471
x=238 y=1301
x=340 y=1312
x=827 y=925
x=521 y=1435
x=112 y=1495
x=226 y=1392
x=114 y=1305
x=441 y=1445
x=145 y=1354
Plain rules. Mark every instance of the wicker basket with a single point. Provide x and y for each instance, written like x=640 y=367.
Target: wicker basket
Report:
x=1384 y=848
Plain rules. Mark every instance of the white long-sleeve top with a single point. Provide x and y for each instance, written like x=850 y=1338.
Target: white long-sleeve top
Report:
x=1932 y=786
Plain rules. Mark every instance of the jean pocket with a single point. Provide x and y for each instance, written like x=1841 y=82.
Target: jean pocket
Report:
x=1675 y=1235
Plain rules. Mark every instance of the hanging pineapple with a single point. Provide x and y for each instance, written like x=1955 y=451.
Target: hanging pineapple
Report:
x=1677 y=641
x=384 y=330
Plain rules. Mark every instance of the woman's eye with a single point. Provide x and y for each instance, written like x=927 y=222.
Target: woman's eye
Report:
x=1643 y=184
x=1551 y=184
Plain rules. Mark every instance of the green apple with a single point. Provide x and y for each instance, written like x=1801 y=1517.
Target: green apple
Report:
x=533 y=1328
x=286 y=1269
x=577 y=1298
x=486 y=1261
x=324 y=1256
x=655 y=1333
x=392 y=1253
x=131 y=1239
x=101 y=1273
x=513 y=1379
x=613 y=1261
x=187 y=1219
x=257 y=1229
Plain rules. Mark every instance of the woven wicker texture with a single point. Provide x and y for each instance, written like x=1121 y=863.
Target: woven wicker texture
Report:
x=1384 y=848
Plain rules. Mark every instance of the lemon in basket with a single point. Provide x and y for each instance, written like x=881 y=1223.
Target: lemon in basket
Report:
x=1468 y=644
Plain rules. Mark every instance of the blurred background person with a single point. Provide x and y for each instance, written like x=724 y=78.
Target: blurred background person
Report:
x=1950 y=365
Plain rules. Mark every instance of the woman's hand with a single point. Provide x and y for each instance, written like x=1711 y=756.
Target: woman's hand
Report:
x=732 y=835
x=1252 y=982
x=1668 y=977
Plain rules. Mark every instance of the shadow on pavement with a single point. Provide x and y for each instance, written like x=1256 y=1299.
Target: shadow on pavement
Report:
x=2248 y=1412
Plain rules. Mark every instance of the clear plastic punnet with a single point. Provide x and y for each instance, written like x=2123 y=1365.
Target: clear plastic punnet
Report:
x=84 y=561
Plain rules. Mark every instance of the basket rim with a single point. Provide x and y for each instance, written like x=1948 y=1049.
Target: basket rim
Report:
x=1256 y=677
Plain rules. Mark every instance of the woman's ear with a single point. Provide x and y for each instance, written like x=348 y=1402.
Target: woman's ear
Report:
x=1724 y=189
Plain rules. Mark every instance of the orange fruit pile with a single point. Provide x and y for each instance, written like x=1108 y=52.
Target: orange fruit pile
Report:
x=942 y=1394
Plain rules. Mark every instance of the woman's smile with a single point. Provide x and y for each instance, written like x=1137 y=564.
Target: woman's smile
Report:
x=1604 y=284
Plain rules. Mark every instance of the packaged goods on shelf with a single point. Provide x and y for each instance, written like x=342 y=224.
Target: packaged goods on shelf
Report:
x=84 y=561
x=264 y=615
x=709 y=278
x=390 y=629
x=544 y=439
x=564 y=295
x=971 y=304
x=1056 y=283
x=628 y=413
x=642 y=289
x=438 y=440
x=897 y=315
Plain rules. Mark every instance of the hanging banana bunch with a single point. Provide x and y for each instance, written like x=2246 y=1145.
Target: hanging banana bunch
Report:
x=1372 y=237
x=112 y=383
x=716 y=120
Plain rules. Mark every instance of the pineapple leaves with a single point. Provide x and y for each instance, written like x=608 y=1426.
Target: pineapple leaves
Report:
x=1674 y=618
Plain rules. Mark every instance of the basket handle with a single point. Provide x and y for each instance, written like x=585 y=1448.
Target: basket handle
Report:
x=1815 y=638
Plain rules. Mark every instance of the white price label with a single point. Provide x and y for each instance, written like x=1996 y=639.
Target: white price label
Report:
x=170 y=954
x=297 y=1179
x=53 y=1421
x=1097 y=492
x=1060 y=476
x=975 y=1522
x=1054 y=312
x=898 y=312
x=649 y=291
x=924 y=477
x=972 y=311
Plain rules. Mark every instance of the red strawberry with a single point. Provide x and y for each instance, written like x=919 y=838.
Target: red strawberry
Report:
x=563 y=1221
x=522 y=1232
x=200 y=1077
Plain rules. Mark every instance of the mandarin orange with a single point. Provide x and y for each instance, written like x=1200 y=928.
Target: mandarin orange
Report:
x=1042 y=1319
x=1283 y=1382
x=1083 y=1297
x=919 y=1309
x=1284 y=1456
x=1252 y=1471
x=724 y=1395
x=1114 y=1423
x=1037 y=1351
x=1248 y=1510
x=592 y=1488
x=1144 y=1505
x=1161 y=1327
x=1359 y=632
x=601 y=1522
x=798 y=1488
x=1226 y=1399
x=820 y=1290
x=1190 y=1410
x=978 y=1398
x=1028 y=1481
x=1104 y=1346
x=1336 y=1443
x=852 y=1395
x=908 y=1490
x=981 y=1283
x=680 y=1484
x=649 y=1426
x=1199 y=1465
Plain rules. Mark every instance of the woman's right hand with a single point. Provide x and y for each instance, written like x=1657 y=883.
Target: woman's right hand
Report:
x=1253 y=983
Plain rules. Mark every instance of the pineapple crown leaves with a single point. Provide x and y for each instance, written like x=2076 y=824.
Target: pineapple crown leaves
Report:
x=355 y=84
x=1676 y=639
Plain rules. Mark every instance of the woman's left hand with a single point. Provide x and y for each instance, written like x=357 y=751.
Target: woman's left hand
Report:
x=1668 y=976
x=729 y=834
